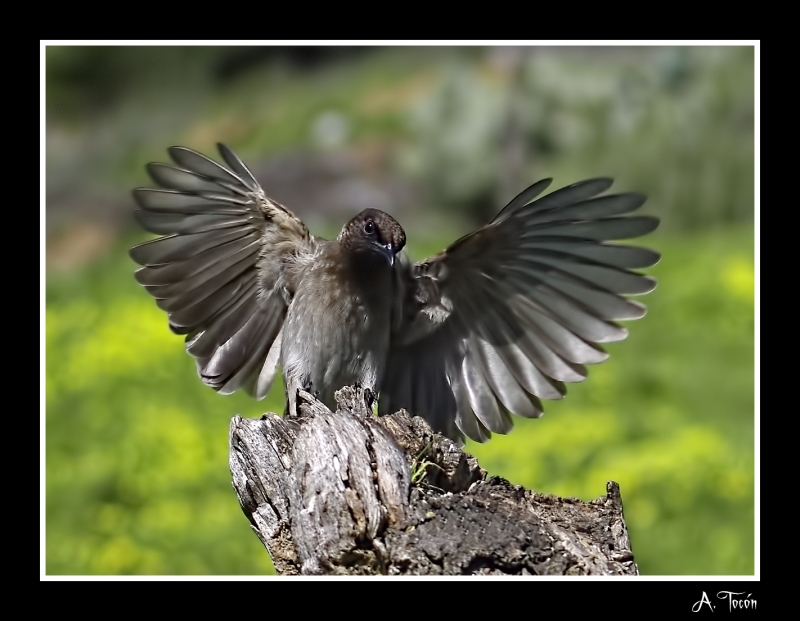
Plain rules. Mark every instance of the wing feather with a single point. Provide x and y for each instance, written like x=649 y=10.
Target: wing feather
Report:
x=507 y=314
x=215 y=267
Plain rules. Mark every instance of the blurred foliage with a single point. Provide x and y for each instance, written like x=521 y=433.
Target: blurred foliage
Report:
x=83 y=79
x=137 y=478
x=674 y=122
x=679 y=127
x=136 y=474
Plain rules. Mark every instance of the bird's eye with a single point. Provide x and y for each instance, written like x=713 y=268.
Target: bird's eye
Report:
x=369 y=227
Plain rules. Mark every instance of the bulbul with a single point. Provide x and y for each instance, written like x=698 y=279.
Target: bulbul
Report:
x=492 y=325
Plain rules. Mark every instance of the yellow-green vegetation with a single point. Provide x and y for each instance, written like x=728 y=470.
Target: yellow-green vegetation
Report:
x=419 y=466
x=137 y=474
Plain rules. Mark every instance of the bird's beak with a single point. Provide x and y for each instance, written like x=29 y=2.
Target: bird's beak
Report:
x=387 y=250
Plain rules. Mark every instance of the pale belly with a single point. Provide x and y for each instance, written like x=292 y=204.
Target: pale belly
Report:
x=332 y=341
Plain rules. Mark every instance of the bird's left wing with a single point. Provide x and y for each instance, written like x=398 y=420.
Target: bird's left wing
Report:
x=507 y=314
x=216 y=267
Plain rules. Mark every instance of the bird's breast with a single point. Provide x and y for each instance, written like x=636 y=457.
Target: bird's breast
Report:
x=336 y=332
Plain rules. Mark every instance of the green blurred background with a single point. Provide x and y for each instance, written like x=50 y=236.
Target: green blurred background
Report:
x=137 y=478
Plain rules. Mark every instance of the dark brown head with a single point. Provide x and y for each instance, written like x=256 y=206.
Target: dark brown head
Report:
x=373 y=231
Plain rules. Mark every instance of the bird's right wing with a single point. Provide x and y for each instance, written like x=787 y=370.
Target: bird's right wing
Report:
x=507 y=314
x=215 y=269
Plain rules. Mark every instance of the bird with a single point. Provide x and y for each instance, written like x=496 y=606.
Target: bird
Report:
x=500 y=320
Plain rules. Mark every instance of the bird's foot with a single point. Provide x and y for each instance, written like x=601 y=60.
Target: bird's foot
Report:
x=309 y=388
x=369 y=398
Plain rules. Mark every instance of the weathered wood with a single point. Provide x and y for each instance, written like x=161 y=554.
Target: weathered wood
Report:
x=349 y=493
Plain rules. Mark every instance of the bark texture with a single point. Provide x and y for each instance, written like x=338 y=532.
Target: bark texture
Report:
x=348 y=493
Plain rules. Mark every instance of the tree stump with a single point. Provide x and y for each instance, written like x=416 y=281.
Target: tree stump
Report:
x=349 y=493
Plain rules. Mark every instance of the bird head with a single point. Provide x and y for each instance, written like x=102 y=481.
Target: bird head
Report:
x=375 y=232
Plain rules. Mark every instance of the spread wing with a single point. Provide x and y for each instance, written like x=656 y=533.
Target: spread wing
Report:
x=215 y=269
x=508 y=314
